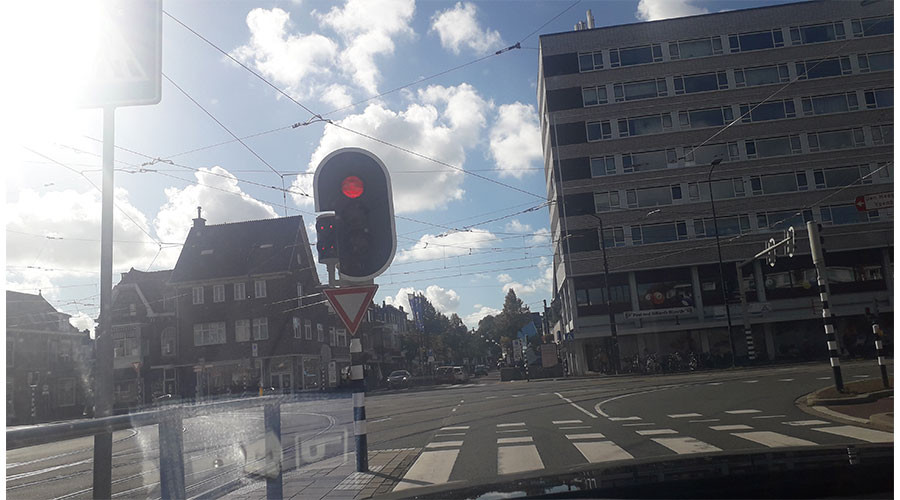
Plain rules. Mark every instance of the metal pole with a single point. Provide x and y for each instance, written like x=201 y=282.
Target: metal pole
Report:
x=745 y=313
x=879 y=351
x=103 y=372
x=712 y=202
x=613 y=328
x=272 y=418
x=815 y=246
x=171 y=457
x=359 y=405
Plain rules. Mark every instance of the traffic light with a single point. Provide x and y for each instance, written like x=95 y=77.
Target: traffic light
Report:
x=355 y=185
x=326 y=239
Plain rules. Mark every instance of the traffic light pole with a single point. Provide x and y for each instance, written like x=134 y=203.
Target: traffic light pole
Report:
x=818 y=257
x=358 y=384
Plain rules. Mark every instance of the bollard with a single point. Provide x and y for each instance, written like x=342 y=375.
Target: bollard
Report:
x=879 y=351
x=359 y=405
x=171 y=456
x=272 y=417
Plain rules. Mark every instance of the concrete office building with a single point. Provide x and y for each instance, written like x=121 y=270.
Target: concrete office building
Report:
x=793 y=104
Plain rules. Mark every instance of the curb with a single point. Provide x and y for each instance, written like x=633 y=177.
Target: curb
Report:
x=813 y=400
x=883 y=420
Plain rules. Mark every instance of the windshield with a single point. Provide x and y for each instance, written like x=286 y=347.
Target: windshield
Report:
x=367 y=248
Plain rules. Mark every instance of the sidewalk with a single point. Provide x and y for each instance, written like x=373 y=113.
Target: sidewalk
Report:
x=337 y=479
x=874 y=408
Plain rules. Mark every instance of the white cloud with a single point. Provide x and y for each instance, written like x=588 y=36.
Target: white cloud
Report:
x=515 y=139
x=504 y=278
x=458 y=27
x=82 y=321
x=444 y=300
x=652 y=10
x=442 y=124
x=541 y=284
x=471 y=320
x=368 y=28
x=459 y=243
x=516 y=226
x=541 y=237
x=337 y=95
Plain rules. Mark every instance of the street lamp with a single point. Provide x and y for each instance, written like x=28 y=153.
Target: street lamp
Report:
x=613 y=329
x=712 y=202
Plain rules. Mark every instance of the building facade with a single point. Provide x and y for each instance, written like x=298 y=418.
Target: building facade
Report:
x=791 y=109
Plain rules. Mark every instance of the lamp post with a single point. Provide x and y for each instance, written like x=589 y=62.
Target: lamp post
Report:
x=712 y=202
x=613 y=329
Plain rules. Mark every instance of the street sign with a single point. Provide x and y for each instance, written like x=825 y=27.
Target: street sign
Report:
x=877 y=201
x=351 y=303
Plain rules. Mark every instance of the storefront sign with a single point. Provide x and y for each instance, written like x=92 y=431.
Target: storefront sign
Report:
x=659 y=313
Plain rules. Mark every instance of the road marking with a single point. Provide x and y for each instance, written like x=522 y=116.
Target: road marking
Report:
x=863 y=434
x=513 y=430
x=824 y=378
x=638 y=424
x=623 y=419
x=561 y=422
x=587 y=435
x=751 y=381
x=704 y=420
x=602 y=451
x=742 y=412
x=456 y=428
x=714 y=383
x=685 y=415
x=785 y=380
x=490 y=397
x=444 y=444
x=582 y=410
x=450 y=434
x=516 y=424
x=514 y=440
x=542 y=394
x=840 y=416
x=575 y=427
x=601 y=403
x=432 y=467
x=656 y=432
x=770 y=416
x=380 y=420
x=734 y=427
x=772 y=439
x=801 y=423
x=516 y=395
x=518 y=458
x=860 y=376
x=684 y=445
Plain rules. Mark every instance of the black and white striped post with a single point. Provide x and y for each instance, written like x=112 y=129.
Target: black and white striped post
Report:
x=816 y=245
x=879 y=351
x=359 y=405
x=751 y=347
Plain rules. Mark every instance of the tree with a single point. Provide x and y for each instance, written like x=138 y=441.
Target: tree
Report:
x=514 y=315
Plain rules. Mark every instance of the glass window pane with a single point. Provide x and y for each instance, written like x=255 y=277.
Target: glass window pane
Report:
x=723 y=189
x=823 y=68
x=781 y=183
x=884 y=98
x=830 y=104
x=878 y=26
x=816 y=34
x=650 y=160
x=704 y=155
x=700 y=83
x=585 y=62
x=768 y=111
x=838 y=177
x=761 y=76
x=706 y=118
x=640 y=90
x=881 y=62
x=695 y=48
x=635 y=55
x=847 y=214
x=776 y=146
x=644 y=125
x=836 y=139
x=651 y=197
x=659 y=233
x=756 y=41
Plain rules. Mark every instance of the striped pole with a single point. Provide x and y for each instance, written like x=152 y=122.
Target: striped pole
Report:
x=816 y=245
x=879 y=351
x=359 y=405
x=751 y=349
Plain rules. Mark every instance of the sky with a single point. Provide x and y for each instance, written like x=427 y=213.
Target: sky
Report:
x=416 y=83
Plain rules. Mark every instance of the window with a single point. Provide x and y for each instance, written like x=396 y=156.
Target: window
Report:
x=721 y=189
x=125 y=344
x=827 y=104
x=759 y=40
x=259 y=288
x=772 y=146
x=779 y=221
x=601 y=166
x=619 y=294
x=818 y=33
x=882 y=98
x=298 y=332
x=604 y=202
x=590 y=61
x=599 y=130
x=824 y=68
x=779 y=183
x=836 y=139
x=613 y=237
x=342 y=337
x=209 y=333
x=689 y=49
x=631 y=56
x=593 y=96
x=242 y=330
x=699 y=118
x=690 y=84
x=651 y=197
x=643 y=125
x=197 y=295
x=66 y=394
x=658 y=233
x=761 y=75
x=841 y=176
x=260 y=328
x=168 y=341
x=704 y=155
x=332 y=336
x=847 y=214
x=881 y=61
x=649 y=160
x=883 y=134
x=646 y=89
x=320 y=332
x=240 y=291
x=776 y=110
x=728 y=226
x=873 y=26
x=299 y=294
x=218 y=293
x=307 y=329
x=132 y=309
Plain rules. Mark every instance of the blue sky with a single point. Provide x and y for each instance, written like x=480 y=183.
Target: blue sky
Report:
x=327 y=56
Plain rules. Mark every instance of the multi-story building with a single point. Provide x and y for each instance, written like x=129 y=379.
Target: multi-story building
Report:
x=382 y=337
x=48 y=362
x=787 y=109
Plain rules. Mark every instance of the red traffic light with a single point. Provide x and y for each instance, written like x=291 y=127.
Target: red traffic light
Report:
x=352 y=187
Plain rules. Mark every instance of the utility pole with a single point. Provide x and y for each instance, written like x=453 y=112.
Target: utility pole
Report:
x=613 y=328
x=724 y=285
x=816 y=244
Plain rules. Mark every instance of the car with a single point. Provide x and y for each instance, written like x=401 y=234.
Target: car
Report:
x=399 y=379
x=459 y=375
x=480 y=370
x=444 y=375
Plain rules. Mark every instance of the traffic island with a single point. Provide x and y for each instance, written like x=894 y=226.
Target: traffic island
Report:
x=866 y=402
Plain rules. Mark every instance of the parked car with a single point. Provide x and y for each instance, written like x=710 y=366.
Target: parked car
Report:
x=399 y=379
x=443 y=375
x=459 y=375
x=480 y=370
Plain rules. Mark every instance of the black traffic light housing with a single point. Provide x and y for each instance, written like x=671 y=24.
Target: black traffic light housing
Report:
x=355 y=185
x=326 y=239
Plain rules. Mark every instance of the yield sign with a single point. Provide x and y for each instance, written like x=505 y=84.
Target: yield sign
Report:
x=351 y=303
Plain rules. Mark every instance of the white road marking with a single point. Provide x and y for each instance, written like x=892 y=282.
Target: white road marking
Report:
x=602 y=451
x=802 y=423
x=772 y=439
x=785 y=380
x=861 y=433
x=516 y=395
x=714 y=383
x=742 y=412
x=751 y=381
x=490 y=397
x=450 y=434
x=733 y=427
x=516 y=424
x=684 y=445
x=838 y=415
x=770 y=416
x=601 y=403
x=582 y=410
x=561 y=422
x=638 y=424
x=519 y=458
x=432 y=467
x=513 y=430
x=587 y=435
x=860 y=376
x=704 y=420
x=823 y=378
x=569 y=427
x=623 y=419
x=456 y=428
x=656 y=432
x=444 y=444
x=685 y=415
x=514 y=440
x=542 y=394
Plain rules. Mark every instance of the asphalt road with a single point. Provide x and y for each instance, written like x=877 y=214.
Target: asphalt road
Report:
x=476 y=431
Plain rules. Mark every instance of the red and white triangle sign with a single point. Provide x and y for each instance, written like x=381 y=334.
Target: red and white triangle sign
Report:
x=351 y=303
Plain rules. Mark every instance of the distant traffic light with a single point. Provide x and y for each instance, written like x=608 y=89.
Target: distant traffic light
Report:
x=326 y=238
x=355 y=185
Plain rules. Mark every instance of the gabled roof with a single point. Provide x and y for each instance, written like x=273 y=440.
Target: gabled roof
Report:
x=151 y=285
x=242 y=249
x=29 y=311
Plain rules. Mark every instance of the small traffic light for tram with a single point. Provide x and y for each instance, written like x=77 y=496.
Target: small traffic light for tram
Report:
x=355 y=185
x=326 y=239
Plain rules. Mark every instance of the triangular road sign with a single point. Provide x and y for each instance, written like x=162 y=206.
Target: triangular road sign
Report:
x=351 y=303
